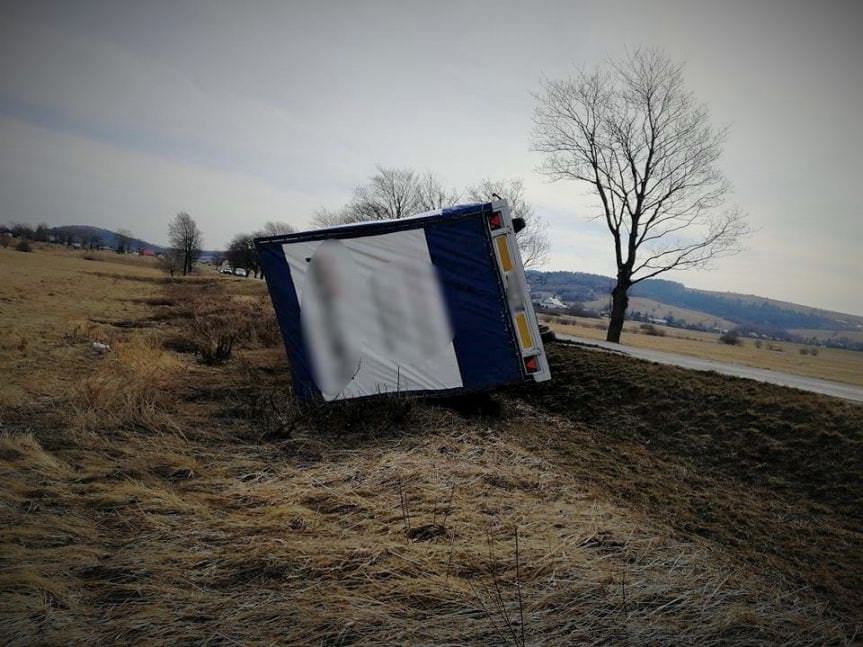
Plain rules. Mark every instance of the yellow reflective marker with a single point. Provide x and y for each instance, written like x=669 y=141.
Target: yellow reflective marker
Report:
x=523 y=331
x=503 y=252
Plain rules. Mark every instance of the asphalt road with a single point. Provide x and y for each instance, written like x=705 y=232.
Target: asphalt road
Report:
x=825 y=387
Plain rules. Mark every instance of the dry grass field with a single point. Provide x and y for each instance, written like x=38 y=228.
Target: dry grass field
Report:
x=829 y=363
x=169 y=490
x=51 y=301
x=661 y=310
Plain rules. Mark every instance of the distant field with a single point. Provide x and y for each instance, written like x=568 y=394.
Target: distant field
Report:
x=829 y=364
x=661 y=311
x=162 y=493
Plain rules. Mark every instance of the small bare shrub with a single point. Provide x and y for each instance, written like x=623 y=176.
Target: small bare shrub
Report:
x=731 y=338
x=23 y=246
x=214 y=335
x=758 y=343
x=650 y=329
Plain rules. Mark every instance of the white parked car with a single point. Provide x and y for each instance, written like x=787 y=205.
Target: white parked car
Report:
x=239 y=271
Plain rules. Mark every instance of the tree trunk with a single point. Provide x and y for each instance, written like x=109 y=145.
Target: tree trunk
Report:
x=619 y=301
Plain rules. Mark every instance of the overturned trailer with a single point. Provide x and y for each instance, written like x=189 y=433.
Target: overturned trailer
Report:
x=436 y=303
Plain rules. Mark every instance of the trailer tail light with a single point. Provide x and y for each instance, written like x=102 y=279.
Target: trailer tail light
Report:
x=495 y=221
x=531 y=364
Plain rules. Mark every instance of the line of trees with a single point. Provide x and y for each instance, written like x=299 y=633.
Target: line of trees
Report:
x=25 y=234
x=22 y=231
x=123 y=238
x=394 y=193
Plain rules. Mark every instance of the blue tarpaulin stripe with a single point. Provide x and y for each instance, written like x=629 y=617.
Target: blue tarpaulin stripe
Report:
x=484 y=344
x=284 y=297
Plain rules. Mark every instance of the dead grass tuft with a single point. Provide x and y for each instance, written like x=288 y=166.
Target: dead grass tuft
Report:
x=133 y=389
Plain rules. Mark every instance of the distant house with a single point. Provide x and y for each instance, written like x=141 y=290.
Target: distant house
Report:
x=552 y=303
x=539 y=295
x=147 y=252
x=658 y=321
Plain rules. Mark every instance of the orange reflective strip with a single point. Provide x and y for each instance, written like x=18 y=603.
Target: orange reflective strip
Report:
x=523 y=331
x=503 y=253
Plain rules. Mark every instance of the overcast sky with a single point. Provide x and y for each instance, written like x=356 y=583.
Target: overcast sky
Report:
x=121 y=114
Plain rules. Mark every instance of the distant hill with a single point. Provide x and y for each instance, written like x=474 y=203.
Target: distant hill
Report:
x=107 y=238
x=743 y=310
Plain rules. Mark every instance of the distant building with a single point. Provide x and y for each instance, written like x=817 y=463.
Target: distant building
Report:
x=147 y=252
x=539 y=295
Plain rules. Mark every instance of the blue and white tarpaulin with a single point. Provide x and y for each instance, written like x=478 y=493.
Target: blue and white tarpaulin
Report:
x=435 y=303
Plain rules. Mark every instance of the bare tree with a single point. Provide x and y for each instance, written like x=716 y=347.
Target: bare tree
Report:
x=330 y=217
x=533 y=239
x=186 y=238
x=431 y=194
x=634 y=132
x=390 y=194
x=275 y=228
